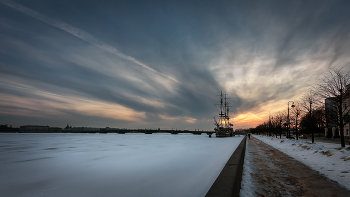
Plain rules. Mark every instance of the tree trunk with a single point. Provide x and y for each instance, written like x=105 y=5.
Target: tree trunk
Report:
x=296 y=127
x=311 y=126
x=341 y=124
x=280 y=129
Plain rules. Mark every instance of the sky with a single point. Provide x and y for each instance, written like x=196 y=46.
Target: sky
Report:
x=162 y=64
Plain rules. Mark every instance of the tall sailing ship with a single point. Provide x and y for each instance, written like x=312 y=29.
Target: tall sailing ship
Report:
x=223 y=126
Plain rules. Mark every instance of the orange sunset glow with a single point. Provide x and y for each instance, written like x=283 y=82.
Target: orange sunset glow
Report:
x=161 y=69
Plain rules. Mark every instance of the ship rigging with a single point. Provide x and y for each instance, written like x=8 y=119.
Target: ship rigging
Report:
x=223 y=126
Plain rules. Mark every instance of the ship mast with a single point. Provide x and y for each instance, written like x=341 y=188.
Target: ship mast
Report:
x=228 y=114
x=223 y=128
x=223 y=110
x=225 y=116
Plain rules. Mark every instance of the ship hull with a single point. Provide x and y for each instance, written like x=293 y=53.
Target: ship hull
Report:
x=223 y=132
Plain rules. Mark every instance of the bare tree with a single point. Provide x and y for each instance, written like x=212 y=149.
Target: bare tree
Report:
x=319 y=117
x=280 y=117
x=297 y=112
x=335 y=86
x=310 y=101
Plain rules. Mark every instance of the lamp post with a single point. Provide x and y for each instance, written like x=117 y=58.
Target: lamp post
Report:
x=288 y=131
x=297 y=113
x=311 y=124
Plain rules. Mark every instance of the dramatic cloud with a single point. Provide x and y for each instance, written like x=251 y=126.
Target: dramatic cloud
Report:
x=78 y=33
x=161 y=64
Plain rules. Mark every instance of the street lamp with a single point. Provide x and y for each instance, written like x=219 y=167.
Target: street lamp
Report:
x=288 y=131
x=297 y=113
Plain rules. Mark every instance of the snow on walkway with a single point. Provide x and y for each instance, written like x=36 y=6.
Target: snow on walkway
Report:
x=329 y=159
x=248 y=185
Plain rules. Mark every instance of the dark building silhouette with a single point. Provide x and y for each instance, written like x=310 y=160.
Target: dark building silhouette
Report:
x=39 y=129
x=332 y=117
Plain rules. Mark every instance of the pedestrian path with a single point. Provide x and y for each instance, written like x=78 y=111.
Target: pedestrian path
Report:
x=269 y=172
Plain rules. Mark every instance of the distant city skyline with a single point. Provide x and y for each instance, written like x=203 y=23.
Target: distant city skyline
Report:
x=161 y=64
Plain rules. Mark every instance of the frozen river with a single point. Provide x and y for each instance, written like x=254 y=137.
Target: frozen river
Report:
x=111 y=164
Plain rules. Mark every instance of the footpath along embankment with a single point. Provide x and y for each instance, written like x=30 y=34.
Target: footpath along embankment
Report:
x=228 y=183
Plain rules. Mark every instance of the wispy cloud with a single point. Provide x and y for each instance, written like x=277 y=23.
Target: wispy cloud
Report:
x=55 y=104
x=80 y=34
x=263 y=54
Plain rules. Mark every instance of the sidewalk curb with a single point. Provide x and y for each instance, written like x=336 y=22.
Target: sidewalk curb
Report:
x=229 y=180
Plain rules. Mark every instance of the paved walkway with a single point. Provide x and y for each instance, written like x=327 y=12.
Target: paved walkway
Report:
x=275 y=174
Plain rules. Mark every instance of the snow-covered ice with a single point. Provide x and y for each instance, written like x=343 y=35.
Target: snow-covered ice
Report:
x=111 y=164
x=327 y=158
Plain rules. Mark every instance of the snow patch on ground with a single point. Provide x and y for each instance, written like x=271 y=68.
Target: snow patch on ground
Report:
x=247 y=184
x=329 y=159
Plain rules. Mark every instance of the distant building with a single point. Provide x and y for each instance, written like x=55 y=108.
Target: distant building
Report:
x=332 y=116
x=33 y=129
x=346 y=107
x=70 y=129
x=242 y=130
x=109 y=130
x=39 y=129
x=67 y=129
x=4 y=128
x=84 y=130
x=55 y=130
x=8 y=129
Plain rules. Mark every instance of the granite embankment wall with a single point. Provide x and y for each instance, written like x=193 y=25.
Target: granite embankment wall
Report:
x=228 y=182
